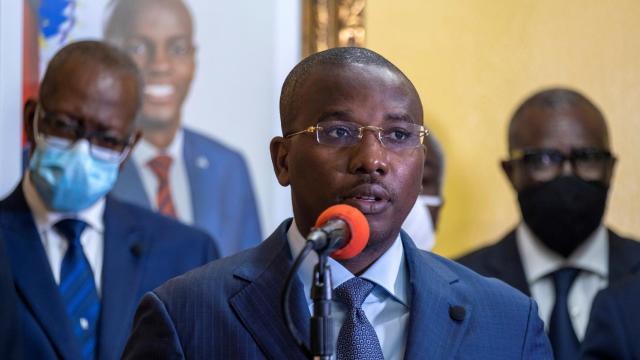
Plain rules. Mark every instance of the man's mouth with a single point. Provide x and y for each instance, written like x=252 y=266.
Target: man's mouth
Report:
x=368 y=198
x=159 y=91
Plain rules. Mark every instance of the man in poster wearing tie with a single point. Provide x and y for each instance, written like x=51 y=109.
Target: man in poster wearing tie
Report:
x=174 y=170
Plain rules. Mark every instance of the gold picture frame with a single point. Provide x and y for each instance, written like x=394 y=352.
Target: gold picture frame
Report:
x=332 y=23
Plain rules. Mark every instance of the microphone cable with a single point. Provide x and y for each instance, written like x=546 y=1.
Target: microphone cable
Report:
x=308 y=247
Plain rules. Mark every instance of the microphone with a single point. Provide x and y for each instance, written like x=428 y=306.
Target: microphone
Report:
x=342 y=230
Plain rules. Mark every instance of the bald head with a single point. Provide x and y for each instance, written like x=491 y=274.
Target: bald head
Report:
x=337 y=58
x=89 y=53
x=557 y=110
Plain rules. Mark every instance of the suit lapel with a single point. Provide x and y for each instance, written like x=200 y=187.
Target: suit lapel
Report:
x=129 y=186
x=433 y=333
x=507 y=264
x=32 y=274
x=258 y=304
x=624 y=257
x=124 y=246
x=200 y=177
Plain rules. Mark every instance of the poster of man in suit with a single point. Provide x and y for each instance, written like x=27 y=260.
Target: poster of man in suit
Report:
x=208 y=158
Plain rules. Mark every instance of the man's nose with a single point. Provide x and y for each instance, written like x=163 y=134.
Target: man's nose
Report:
x=369 y=156
x=159 y=61
x=566 y=168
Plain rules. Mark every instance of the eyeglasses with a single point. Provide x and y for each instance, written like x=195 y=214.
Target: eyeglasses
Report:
x=397 y=137
x=546 y=164
x=62 y=132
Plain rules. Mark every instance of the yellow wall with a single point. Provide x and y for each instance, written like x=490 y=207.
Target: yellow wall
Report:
x=473 y=61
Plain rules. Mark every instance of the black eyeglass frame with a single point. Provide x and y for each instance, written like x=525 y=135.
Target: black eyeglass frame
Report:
x=591 y=164
x=99 y=152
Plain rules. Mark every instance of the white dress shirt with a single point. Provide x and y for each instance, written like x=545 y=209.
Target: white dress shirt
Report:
x=55 y=245
x=386 y=307
x=144 y=152
x=591 y=258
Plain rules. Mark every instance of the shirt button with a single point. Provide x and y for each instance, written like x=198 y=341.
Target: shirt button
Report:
x=84 y=323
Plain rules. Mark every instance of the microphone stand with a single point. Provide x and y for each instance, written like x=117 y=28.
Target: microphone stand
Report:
x=322 y=343
x=324 y=241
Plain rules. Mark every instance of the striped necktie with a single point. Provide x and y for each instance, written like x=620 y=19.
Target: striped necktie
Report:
x=78 y=288
x=160 y=166
x=357 y=338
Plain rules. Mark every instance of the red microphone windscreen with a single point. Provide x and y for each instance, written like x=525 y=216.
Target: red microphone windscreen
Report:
x=358 y=227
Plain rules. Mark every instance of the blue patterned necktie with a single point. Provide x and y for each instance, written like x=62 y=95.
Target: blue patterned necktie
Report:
x=357 y=339
x=78 y=288
x=563 y=339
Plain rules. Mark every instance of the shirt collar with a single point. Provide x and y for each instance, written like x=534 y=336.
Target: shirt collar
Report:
x=389 y=272
x=146 y=151
x=45 y=218
x=539 y=261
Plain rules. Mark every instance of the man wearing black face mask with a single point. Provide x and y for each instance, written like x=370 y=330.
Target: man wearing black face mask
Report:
x=561 y=254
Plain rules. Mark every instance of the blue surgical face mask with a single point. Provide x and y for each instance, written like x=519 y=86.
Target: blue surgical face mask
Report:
x=70 y=180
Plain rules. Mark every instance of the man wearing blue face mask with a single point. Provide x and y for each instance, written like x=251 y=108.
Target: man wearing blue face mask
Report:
x=560 y=164
x=81 y=260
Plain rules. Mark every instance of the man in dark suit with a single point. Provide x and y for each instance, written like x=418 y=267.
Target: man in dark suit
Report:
x=173 y=170
x=561 y=254
x=80 y=259
x=615 y=323
x=353 y=134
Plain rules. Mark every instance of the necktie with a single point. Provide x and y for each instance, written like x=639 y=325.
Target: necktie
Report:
x=78 y=288
x=357 y=338
x=563 y=339
x=160 y=166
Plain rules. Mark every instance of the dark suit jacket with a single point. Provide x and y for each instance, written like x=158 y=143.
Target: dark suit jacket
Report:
x=221 y=194
x=502 y=260
x=141 y=251
x=614 y=328
x=9 y=324
x=230 y=309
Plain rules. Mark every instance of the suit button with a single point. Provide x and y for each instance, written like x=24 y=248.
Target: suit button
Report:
x=457 y=313
x=202 y=162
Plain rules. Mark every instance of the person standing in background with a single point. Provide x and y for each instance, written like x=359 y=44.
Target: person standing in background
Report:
x=422 y=222
x=81 y=259
x=176 y=171
x=560 y=165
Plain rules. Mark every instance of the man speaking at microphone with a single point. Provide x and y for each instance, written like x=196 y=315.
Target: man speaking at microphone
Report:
x=353 y=134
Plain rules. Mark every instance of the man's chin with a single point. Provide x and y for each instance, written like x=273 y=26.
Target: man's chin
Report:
x=155 y=123
x=381 y=234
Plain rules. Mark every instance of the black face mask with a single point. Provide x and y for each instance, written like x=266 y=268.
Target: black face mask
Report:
x=563 y=212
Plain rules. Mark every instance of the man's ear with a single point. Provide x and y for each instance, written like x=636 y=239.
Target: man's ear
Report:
x=137 y=135
x=28 y=116
x=507 y=167
x=610 y=168
x=279 y=148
